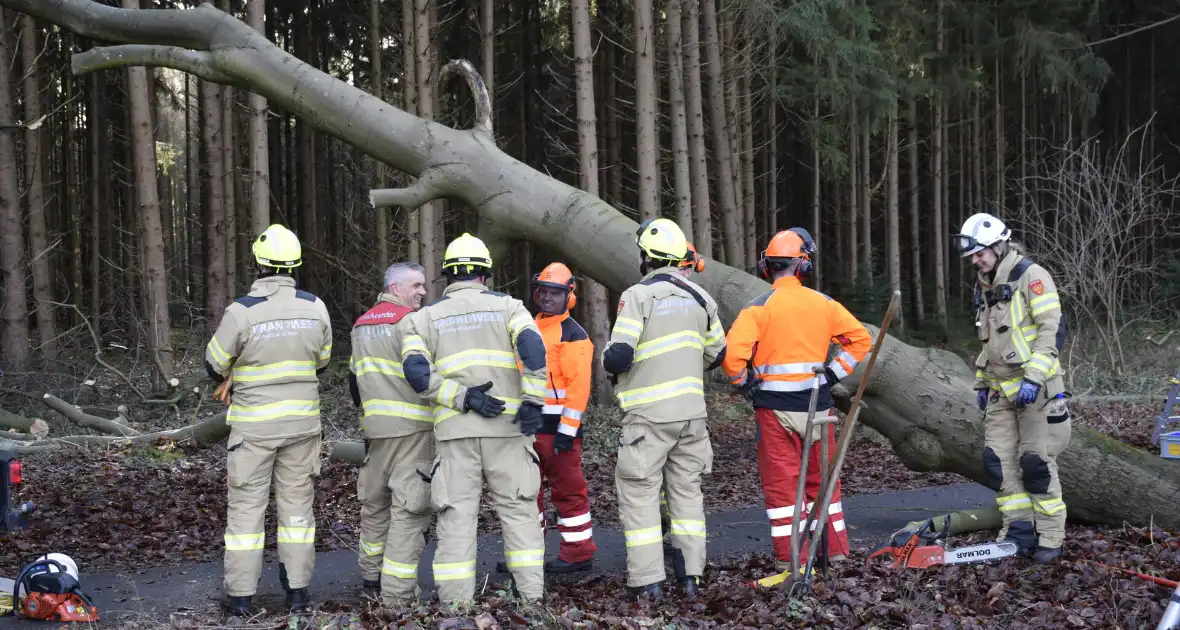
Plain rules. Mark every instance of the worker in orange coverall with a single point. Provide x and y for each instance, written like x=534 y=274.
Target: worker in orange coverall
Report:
x=775 y=344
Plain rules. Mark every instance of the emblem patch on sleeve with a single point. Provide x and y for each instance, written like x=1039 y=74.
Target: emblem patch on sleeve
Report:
x=1037 y=287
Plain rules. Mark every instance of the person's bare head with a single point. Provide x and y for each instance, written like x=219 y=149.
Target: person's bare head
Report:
x=406 y=282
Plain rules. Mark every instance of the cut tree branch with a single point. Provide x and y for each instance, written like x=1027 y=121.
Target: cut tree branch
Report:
x=427 y=188
x=209 y=431
x=479 y=92
x=196 y=63
x=85 y=420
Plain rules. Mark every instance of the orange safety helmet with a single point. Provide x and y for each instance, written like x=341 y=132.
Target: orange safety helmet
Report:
x=556 y=276
x=693 y=259
x=794 y=243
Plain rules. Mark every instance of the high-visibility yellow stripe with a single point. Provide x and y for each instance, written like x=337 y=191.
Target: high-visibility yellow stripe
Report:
x=476 y=357
x=668 y=343
x=681 y=527
x=371 y=548
x=296 y=535
x=453 y=570
x=218 y=353
x=645 y=536
x=272 y=371
x=364 y=365
x=244 y=542
x=397 y=409
x=525 y=558
x=662 y=391
x=272 y=411
x=1048 y=507
x=399 y=569
x=627 y=327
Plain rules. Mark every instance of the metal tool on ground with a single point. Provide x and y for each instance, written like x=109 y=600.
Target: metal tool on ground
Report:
x=924 y=547
x=801 y=579
x=49 y=589
x=1169 y=441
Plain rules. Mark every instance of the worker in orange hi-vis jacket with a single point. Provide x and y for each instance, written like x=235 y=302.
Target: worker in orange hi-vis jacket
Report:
x=570 y=357
x=775 y=344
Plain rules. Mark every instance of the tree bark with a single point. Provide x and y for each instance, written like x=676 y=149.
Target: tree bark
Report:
x=259 y=145
x=410 y=96
x=892 y=212
x=216 y=296
x=426 y=213
x=14 y=342
x=915 y=244
x=35 y=161
x=378 y=86
x=938 y=179
x=721 y=148
x=932 y=423
x=698 y=166
x=680 y=159
x=647 y=144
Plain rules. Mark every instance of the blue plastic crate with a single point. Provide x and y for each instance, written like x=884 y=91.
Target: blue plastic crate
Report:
x=1170 y=445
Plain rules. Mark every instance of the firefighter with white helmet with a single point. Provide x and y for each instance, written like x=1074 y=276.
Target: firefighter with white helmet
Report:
x=666 y=335
x=461 y=354
x=1018 y=381
x=268 y=350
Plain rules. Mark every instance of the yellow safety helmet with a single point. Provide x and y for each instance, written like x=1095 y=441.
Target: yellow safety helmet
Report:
x=662 y=239
x=278 y=247
x=465 y=253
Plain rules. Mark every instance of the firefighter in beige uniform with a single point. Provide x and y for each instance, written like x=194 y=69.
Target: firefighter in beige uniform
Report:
x=666 y=335
x=1019 y=382
x=461 y=353
x=393 y=482
x=270 y=345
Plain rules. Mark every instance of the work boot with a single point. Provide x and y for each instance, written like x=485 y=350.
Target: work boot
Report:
x=298 y=601
x=690 y=585
x=651 y=592
x=1021 y=552
x=562 y=566
x=502 y=567
x=1047 y=555
x=372 y=586
x=239 y=606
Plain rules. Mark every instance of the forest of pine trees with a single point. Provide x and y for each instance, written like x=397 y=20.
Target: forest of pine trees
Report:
x=129 y=197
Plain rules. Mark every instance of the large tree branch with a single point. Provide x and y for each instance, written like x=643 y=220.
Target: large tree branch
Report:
x=479 y=92
x=194 y=62
x=196 y=29
x=85 y=420
x=208 y=431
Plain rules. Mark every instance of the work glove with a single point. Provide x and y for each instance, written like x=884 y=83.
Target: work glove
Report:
x=478 y=401
x=562 y=442
x=222 y=392
x=831 y=376
x=981 y=398
x=749 y=386
x=529 y=418
x=1028 y=393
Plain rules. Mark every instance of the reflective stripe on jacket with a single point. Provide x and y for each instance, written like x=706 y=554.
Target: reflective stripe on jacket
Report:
x=787 y=333
x=1019 y=333
x=671 y=339
x=391 y=407
x=469 y=337
x=273 y=341
x=569 y=357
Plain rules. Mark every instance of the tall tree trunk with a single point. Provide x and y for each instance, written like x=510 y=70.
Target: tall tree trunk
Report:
x=229 y=163
x=597 y=309
x=721 y=148
x=893 y=214
x=746 y=129
x=731 y=73
x=998 y=112
x=259 y=145
x=410 y=94
x=614 y=182
x=772 y=124
x=98 y=146
x=35 y=161
x=487 y=28
x=866 y=199
x=647 y=135
x=698 y=166
x=854 y=193
x=427 y=219
x=147 y=198
x=14 y=341
x=216 y=295
x=378 y=87
x=816 y=198
x=915 y=244
x=680 y=157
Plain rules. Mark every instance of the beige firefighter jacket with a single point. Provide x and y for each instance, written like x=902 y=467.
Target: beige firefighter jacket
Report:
x=272 y=341
x=468 y=337
x=391 y=407
x=1019 y=334
x=659 y=347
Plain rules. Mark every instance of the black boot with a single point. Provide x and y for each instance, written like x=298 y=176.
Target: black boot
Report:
x=690 y=585
x=561 y=566
x=1047 y=555
x=502 y=567
x=372 y=586
x=651 y=592
x=298 y=601
x=239 y=606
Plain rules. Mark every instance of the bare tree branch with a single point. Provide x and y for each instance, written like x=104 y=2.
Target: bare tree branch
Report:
x=85 y=420
x=427 y=188
x=197 y=63
x=208 y=431
x=479 y=92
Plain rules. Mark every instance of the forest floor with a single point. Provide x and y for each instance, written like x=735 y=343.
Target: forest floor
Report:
x=127 y=509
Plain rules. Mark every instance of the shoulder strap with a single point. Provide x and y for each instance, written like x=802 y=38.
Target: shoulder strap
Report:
x=684 y=285
x=1019 y=268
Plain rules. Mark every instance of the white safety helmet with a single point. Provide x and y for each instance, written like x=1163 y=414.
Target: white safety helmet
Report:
x=46 y=567
x=979 y=231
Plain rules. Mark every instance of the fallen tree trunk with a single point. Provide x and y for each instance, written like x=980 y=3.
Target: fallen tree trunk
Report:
x=211 y=430
x=930 y=420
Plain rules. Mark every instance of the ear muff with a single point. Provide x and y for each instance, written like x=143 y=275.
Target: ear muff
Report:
x=571 y=299
x=804 y=268
x=698 y=264
x=763 y=270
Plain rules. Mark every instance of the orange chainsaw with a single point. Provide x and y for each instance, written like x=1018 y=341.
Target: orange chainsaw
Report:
x=923 y=547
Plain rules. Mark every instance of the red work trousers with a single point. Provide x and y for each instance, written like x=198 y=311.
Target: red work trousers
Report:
x=779 y=464
x=562 y=473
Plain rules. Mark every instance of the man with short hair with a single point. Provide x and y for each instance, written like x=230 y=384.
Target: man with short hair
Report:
x=393 y=483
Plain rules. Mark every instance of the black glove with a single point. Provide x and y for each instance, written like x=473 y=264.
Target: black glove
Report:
x=613 y=378
x=750 y=386
x=831 y=376
x=562 y=442
x=481 y=403
x=529 y=418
